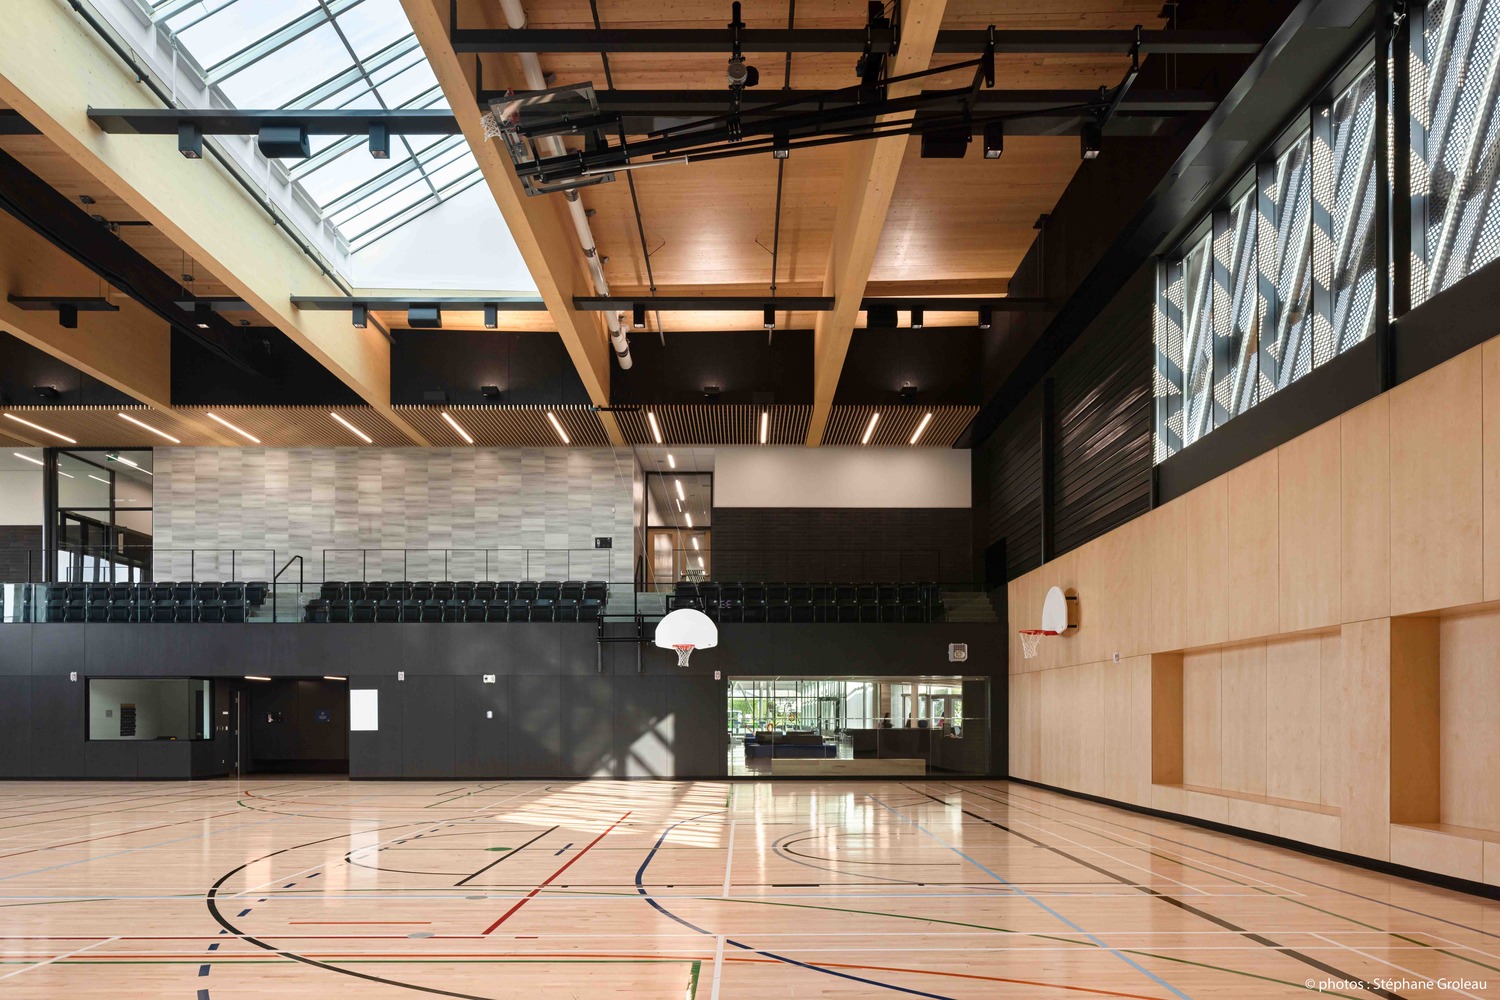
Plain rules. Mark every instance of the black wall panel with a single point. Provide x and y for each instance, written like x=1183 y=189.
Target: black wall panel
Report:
x=742 y=363
x=843 y=543
x=1008 y=482
x=555 y=712
x=427 y=718
x=1102 y=415
x=943 y=363
x=24 y=367
x=527 y=368
x=20 y=552
x=15 y=724
x=275 y=372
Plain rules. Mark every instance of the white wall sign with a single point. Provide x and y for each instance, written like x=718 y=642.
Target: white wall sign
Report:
x=364 y=710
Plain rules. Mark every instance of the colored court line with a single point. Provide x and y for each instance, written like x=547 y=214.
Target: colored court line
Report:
x=550 y=878
x=1028 y=896
x=508 y=854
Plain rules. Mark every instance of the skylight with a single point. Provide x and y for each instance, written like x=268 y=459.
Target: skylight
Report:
x=329 y=54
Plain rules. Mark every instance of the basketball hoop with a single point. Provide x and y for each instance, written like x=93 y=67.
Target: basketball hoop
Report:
x=685 y=630
x=1031 y=641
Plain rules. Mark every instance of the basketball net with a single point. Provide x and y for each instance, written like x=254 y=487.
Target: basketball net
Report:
x=683 y=652
x=1031 y=641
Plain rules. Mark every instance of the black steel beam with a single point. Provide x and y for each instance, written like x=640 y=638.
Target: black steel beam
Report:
x=852 y=40
x=12 y=123
x=691 y=303
x=334 y=303
x=220 y=121
x=52 y=303
x=959 y=304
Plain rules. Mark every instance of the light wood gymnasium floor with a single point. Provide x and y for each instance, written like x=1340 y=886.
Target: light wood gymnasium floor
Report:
x=315 y=888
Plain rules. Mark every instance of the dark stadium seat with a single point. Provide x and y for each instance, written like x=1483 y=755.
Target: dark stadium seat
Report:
x=186 y=611
x=549 y=590
x=422 y=590
x=526 y=590
x=590 y=609
x=543 y=610
x=234 y=610
x=518 y=611
x=731 y=611
x=781 y=612
x=476 y=611
x=566 y=609
x=505 y=590
x=463 y=590
x=444 y=590
x=778 y=593
x=256 y=591
x=164 y=611
x=401 y=590
x=596 y=590
x=431 y=610
x=753 y=593
x=377 y=590
x=316 y=611
x=340 y=612
x=484 y=590
x=572 y=590
x=388 y=610
x=731 y=593
x=211 y=611
x=754 y=612
x=411 y=611
x=453 y=610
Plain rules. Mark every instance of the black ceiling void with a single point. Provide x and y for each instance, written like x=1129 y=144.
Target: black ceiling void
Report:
x=477 y=367
x=32 y=377
x=275 y=372
x=935 y=366
x=745 y=366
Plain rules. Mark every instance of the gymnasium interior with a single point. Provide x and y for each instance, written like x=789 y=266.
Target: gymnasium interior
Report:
x=598 y=498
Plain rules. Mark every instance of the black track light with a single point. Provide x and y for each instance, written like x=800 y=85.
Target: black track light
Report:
x=986 y=317
x=916 y=319
x=361 y=316
x=190 y=140
x=380 y=141
x=1090 y=140
x=768 y=318
x=491 y=317
x=203 y=315
x=67 y=316
x=638 y=316
x=994 y=140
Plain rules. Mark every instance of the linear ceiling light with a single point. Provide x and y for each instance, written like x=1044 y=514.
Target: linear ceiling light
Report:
x=98 y=480
x=700 y=562
x=244 y=434
x=680 y=495
x=655 y=429
x=926 y=419
x=352 y=429
x=134 y=465
x=252 y=677
x=454 y=424
x=153 y=430
x=39 y=427
x=28 y=458
x=765 y=425
x=671 y=462
x=558 y=427
x=689 y=519
x=695 y=543
x=870 y=427
x=333 y=677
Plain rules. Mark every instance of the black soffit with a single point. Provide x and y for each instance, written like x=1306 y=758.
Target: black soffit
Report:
x=685 y=303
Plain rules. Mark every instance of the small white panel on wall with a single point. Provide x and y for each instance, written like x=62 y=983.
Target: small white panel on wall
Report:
x=842 y=477
x=364 y=710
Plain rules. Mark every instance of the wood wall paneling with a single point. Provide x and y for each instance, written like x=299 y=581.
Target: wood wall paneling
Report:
x=1166 y=718
x=1206 y=563
x=1253 y=548
x=1436 y=492
x=1365 y=799
x=1469 y=744
x=1243 y=716
x=1202 y=739
x=1490 y=361
x=1311 y=530
x=1167 y=559
x=1365 y=483
x=1294 y=714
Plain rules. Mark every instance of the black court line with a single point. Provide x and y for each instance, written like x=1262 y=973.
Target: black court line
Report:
x=1259 y=939
x=504 y=855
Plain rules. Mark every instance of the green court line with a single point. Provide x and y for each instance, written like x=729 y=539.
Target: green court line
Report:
x=692 y=990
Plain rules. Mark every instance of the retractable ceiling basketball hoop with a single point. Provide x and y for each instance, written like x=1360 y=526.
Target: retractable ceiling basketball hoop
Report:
x=1056 y=619
x=686 y=630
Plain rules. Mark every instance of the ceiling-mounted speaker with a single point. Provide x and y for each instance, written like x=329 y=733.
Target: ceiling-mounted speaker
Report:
x=284 y=142
x=946 y=143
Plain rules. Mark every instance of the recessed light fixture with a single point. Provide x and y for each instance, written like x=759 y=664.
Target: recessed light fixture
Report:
x=352 y=429
x=870 y=427
x=557 y=427
x=242 y=433
x=671 y=462
x=454 y=424
x=926 y=419
x=655 y=428
x=680 y=495
x=252 y=677
x=153 y=430
x=332 y=677
x=765 y=425
x=134 y=465
x=28 y=458
x=39 y=427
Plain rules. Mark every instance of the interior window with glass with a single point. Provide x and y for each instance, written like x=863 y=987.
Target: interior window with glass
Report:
x=146 y=708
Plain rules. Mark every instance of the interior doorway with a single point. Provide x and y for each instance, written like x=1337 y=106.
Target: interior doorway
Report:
x=293 y=725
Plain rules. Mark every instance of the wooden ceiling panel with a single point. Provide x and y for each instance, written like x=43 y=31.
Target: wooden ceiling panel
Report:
x=971 y=218
x=897 y=424
x=508 y=426
x=724 y=423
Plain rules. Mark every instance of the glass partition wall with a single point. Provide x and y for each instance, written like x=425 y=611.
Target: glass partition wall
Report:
x=871 y=725
x=104 y=511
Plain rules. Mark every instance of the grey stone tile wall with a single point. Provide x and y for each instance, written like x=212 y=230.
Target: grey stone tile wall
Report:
x=456 y=514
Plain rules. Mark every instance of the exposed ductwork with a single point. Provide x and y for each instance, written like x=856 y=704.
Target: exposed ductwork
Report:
x=531 y=69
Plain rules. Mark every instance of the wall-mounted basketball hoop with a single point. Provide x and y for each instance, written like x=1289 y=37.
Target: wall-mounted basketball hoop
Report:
x=686 y=630
x=1057 y=617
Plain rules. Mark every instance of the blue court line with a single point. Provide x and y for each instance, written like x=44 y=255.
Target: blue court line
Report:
x=1030 y=898
x=203 y=970
x=640 y=888
x=245 y=911
x=563 y=848
x=203 y=995
x=214 y=946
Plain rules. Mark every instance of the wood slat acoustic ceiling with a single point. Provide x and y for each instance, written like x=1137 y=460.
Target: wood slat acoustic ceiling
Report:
x=508 y=426
x=727 y=423
x=846 y=425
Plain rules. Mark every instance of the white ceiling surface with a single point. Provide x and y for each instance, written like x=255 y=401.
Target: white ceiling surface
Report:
x=683 y=458
x=697 y=499
x=842 y=477
x=461 y=245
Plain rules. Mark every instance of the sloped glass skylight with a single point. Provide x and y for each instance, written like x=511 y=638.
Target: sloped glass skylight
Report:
x=330 y=54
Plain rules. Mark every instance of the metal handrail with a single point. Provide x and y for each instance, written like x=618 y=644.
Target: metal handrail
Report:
x=276 y=584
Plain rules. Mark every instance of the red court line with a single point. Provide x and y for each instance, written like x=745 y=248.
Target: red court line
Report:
x=528 y=897
x=339 y=923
